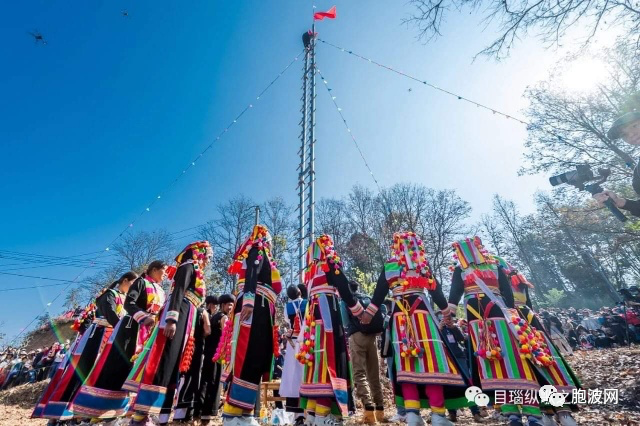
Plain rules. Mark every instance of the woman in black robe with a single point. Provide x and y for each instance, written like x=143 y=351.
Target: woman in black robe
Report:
x=101 y=316
x=253 y=321
x=189 y=384
x=326 y=386
x=102 y=395
x=171 y=347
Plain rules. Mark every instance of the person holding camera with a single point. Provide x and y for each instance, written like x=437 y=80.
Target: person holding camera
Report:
x=627 y=128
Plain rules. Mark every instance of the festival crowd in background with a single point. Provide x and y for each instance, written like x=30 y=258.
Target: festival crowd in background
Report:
x=18 y=366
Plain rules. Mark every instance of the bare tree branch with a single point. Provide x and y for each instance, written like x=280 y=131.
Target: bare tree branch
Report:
x=549 y=20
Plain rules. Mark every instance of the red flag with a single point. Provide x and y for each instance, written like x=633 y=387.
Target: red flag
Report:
x=330 y=14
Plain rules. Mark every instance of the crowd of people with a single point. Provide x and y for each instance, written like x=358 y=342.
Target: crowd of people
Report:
x=144 y=358
x=608 y=327
x=17 y=366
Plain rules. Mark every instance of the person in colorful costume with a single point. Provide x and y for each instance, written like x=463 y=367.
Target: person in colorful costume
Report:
x=292 y=370
x=558 y=373
x=249 y=340
x=169 y=350
x=106 y=311
x=209 y=396
x=189 y=384
x=101 y=396
x=422 y=363
x=326 y=379
x=498 y=363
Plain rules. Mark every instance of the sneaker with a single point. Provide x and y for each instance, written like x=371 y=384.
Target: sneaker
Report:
x=414 y=419
x=398 y=418
x=439 y=420
x=566 y=419
x=250 y=421
x=233 y=421
x=329 y=420
x=300 y=421
x=547 y=420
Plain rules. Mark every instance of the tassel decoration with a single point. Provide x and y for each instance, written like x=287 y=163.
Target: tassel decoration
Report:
x=276 y=341
x=488 y=344
x=296 y=326
x=187 y=355
x=306 y=351
x=223 y=351
x=532 y=344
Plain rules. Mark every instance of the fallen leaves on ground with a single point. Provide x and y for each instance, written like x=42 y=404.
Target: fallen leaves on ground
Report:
x=597 y=369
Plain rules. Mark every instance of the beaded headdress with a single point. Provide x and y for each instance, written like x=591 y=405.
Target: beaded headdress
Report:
x=409 y=254
x=261 y=239
x=321 y=252
x=200 y=250
x=195 y=253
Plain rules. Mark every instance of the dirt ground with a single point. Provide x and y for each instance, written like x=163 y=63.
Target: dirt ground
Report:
x=611 y=369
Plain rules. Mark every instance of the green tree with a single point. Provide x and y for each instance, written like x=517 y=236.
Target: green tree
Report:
x=554 y=297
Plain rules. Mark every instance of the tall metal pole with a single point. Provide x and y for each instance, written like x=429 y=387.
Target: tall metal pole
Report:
x=302 y=186
x=306 y=177
x=312 y=141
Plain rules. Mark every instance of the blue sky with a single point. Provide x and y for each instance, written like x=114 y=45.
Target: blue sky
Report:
x=94 y=124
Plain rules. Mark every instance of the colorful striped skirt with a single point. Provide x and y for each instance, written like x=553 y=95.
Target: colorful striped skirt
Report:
x=329 y=375
x=51 y=387
x=559 y=374
x=252 y=350
x=152 y=376
x=101 y=396
x=413 y=327
x=66 y=385
x=511 y=371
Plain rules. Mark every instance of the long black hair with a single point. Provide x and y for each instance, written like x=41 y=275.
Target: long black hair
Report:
x=156 y=264
x=126 y=276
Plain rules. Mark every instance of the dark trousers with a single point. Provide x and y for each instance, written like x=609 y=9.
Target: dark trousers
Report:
x=209 y=395
x=292 y=405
